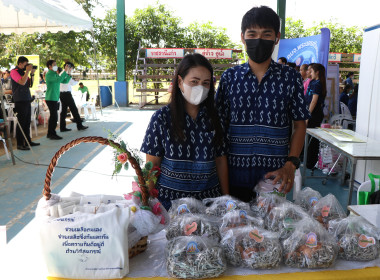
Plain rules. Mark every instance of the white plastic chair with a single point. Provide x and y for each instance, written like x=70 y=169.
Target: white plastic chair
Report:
x=347 y=116
x=11 y=117
x=5 y=147
x=44 y=112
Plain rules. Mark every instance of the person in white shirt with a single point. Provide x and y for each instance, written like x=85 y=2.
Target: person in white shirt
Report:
x=67 y=101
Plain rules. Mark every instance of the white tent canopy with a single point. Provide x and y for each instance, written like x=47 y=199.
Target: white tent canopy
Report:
x=29 y=16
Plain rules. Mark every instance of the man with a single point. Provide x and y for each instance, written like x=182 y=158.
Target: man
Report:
x=305 y=76
x=53 y=81
x=257 y=103
x=282 y=60
x=22 y=79
x=84 y=89
x=68 y=101
x=349 y=77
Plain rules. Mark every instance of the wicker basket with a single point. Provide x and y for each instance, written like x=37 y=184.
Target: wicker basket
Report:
x=141 y=245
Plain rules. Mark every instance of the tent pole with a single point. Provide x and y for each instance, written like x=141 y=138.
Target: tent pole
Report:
x=96 y=70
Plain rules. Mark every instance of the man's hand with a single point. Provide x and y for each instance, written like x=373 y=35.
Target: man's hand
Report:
x=285 y=175
x=33 y=70
x=67 y=67
x=29 y=68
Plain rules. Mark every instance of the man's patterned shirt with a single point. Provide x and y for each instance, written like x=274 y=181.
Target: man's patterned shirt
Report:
x=258 y=117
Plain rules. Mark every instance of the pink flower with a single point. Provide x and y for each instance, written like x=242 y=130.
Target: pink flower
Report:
x=122 y=158
x=156 y=209
x=135 y=187
x=128 y=196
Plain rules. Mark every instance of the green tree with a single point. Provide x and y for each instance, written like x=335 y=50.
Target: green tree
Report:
x=343 y=39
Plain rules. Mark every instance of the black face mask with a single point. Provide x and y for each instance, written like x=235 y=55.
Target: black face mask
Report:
x=259 y=50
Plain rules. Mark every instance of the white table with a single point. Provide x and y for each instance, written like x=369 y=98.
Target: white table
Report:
x=354 y=151
x=369 y=212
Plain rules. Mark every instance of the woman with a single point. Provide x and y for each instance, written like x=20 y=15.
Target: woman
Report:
x=315 y=97
x=185 y=138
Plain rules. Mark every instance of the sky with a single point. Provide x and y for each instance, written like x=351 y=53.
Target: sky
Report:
x=228 y=14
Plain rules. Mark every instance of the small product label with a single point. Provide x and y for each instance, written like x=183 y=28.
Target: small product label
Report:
x=365 y=241
x=192 y=248
x=311 y=240
x=325 y=211
x=190 y=228
x=230 y=205
x=182 y=209
x=313 y=201
x=255 y=235
x=243 y=214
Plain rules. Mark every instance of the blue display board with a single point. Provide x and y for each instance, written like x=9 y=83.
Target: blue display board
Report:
x=306 y=50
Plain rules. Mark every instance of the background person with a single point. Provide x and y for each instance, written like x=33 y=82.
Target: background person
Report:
x=53 y=81
x=353 y=101
x=22 y=80
x=67 y=101
x=282 y=60
x=344 y=96
x=82 y=88
x=185 y=138
x=315 y=97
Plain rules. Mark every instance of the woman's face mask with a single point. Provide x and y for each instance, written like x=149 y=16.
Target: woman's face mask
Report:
x=55 y=68
x=194 y=95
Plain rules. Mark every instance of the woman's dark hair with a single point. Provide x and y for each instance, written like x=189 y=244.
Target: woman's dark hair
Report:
x=177 y=101
x=349 y=74
x=317 y=67
x=263 y=17
x=347 y=87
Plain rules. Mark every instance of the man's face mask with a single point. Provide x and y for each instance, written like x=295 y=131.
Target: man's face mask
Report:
x=259 y=50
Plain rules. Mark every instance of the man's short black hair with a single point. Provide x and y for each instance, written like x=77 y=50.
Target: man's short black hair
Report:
x=22 y=59
x=263 y=17
x=350 y=74
x=50 y=63
x=81 y=83
x=283 y=59
x=69 y=63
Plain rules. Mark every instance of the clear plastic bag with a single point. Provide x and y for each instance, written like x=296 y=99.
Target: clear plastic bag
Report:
x=252 y=247
x=194 y=257
x=282 y=218
x=310 y=246
x=358 y=240
x=327 y=209
x=219 y=206
x=193 y=224
x=264 y=203
x=239 y=218
x=186 y=205
x=307 y=198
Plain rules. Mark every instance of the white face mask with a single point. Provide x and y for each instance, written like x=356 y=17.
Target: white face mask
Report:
x=194 y=95
x=55 y=68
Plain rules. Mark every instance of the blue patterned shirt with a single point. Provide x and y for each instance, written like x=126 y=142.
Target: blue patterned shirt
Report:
x=257 y=118
x=187 y=168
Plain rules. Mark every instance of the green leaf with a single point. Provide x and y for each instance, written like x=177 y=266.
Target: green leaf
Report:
x=148 y=165
x=118 y=168
x=126 y=165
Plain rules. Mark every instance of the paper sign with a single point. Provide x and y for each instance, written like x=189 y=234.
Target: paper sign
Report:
x=215 y=53
x=164 y=53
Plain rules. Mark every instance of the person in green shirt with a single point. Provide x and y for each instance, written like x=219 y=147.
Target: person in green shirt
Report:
x=53 y=81
x=84 y=89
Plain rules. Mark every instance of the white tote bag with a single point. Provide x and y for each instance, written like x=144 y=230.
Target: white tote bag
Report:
x=87 y=246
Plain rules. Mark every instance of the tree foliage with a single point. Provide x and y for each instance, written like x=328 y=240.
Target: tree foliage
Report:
x=343 y=39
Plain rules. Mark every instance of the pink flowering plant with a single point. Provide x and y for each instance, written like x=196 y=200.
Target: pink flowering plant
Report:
x=150 y=173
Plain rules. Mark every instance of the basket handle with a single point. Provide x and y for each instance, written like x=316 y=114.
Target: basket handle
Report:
x=93 y=139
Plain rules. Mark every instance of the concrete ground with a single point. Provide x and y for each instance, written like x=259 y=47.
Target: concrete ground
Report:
x=87 y=168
